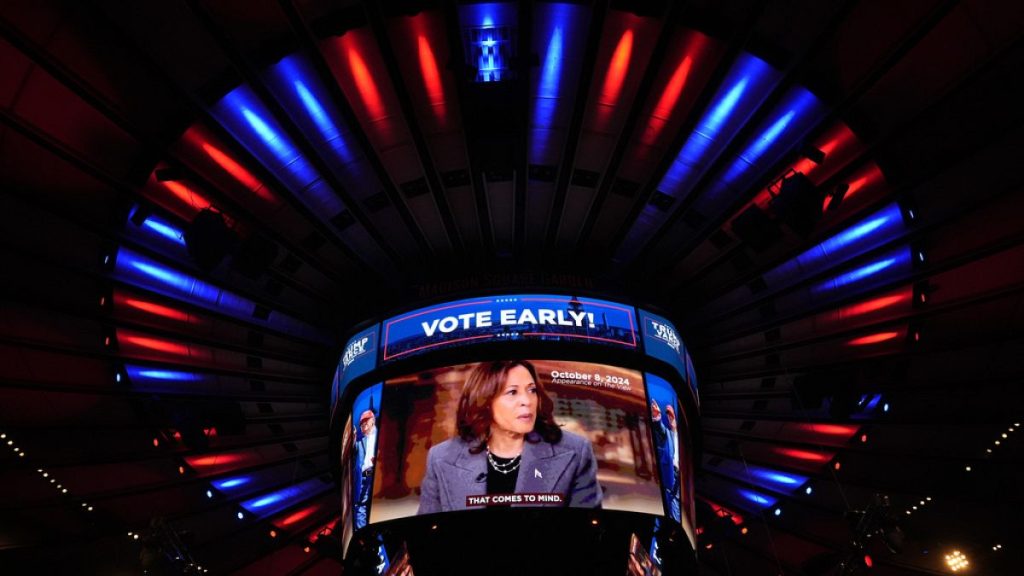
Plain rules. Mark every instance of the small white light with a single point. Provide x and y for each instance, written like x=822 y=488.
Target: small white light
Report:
x=209 y=494
x=778 y=511
x=10 y=442
x=1004 y=435
x=908 y=512
x=885 y=407
x=914 y=507
x=117 y=377
x=64 y=491
x=911 y=213
x=922 y=502
x=90 y=508
x=928 y=498
x=808 y=490
x=967 y=468
x=46 y=474
x=240 y=515
x=3 y=436
x=135 y=537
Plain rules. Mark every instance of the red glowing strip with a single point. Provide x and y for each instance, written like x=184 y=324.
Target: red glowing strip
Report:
x=157 y=309
x=669 y=98
x=432 y=78
x=673 y=90
x=829 y=429
x=803 y=454
x=364 y=83
x=723 y=512
x=297 y=516
x=875 y=304
x=612 y=88
x=238 y=172
x=214 y=460
x=186 y=194
x=154 y=344
x=873 y=339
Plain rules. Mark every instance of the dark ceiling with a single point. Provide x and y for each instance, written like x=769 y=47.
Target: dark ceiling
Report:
x=366 y=155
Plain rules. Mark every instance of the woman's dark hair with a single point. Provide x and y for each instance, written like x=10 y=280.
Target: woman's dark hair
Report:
x=484 y=384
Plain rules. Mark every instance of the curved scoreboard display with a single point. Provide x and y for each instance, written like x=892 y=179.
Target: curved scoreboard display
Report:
x=510 y=401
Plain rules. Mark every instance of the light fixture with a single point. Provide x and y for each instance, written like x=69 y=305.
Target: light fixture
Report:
x=209 y=494
x=808 y=490
x=967 y=468
x=240 y=516
x=956 y=561
x=778 y=511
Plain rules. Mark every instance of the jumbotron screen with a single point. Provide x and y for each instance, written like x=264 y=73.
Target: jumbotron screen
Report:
x=515 y=432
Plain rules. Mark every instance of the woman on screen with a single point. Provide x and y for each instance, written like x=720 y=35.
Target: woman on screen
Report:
x=508 y=443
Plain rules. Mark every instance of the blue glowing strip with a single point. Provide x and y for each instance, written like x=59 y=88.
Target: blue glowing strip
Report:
x=547 y=91
x=297 y=85
x=756 y=498
x=242 y=114
x=741 y=91
x=873 y=403
x=774 y=480
x=230 y=483
x=893 y=263
x=278 y=500
x=138 y=374
x=164 y=229
x=149 y=274
x=873 y=231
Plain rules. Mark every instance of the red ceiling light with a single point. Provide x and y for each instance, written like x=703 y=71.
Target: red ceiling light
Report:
x=431 y=77
x=365 y=84
x=156 y=309
x=802 y=454
x=875 y=304
x=873 y=339
x=155 y=344
x=667 y=102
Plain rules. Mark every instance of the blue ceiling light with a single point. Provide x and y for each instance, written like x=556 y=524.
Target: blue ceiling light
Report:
x=873 y=402
x=756 y=498
x=147 y=273
x=742 y=91
x=252 y=124
x=137 y=373
x=278 y=500
x=229 y=483
x=489 y=33
x=165 y=230
x=895 y=264
x=875 y=230
x=296 y=84
x=562 y=27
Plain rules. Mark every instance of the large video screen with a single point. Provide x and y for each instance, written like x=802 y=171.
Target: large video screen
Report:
x=668 y=423
x=534 y=433
x=521 y=316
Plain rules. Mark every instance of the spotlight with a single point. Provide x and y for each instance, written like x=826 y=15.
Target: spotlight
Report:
x=956 y=561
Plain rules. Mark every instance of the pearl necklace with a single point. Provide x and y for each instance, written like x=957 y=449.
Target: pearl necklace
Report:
x=504 y=468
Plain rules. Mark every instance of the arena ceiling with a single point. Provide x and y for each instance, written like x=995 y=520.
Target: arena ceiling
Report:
x=824 y=196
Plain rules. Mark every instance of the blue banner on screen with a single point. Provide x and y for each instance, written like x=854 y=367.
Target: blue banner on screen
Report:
x=662 y=341
x=358 y=358
x=524 y=316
